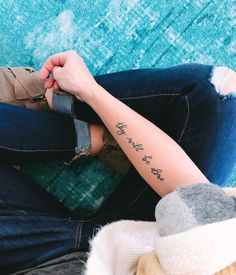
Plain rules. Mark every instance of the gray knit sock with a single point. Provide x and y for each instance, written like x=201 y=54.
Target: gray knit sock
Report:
x=192 y=206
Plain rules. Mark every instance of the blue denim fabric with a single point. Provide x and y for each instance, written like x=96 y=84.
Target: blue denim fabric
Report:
x=63 y=103
x=180 y=100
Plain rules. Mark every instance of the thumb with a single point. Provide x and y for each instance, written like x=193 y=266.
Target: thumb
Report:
x=56 y=72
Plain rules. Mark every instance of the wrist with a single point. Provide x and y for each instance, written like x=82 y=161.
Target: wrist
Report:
x=92 y=94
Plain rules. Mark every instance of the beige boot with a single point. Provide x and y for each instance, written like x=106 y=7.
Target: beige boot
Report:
x=21 y=86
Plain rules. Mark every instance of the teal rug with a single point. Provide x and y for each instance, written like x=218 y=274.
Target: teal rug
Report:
x=117 y=35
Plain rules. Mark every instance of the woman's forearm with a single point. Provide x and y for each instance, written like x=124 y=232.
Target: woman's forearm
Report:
x=158 y=158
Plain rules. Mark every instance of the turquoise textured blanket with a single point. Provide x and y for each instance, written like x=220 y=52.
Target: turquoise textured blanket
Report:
x=119 y=34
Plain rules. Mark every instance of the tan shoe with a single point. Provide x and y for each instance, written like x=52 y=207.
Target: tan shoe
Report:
x=21 y=86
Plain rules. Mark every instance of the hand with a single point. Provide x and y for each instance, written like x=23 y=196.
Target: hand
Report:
x=68 y=72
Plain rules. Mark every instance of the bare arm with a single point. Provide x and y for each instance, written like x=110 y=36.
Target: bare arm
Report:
x=158 y=158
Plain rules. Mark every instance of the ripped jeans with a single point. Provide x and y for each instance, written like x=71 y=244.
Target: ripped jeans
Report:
x=194 y=104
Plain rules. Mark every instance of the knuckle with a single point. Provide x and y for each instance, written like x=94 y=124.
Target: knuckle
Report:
x=73 y=52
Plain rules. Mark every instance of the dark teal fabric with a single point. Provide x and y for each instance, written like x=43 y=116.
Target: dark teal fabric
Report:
x=82 y=187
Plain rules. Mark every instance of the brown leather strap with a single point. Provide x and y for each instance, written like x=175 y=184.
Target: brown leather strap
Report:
x=41 y=104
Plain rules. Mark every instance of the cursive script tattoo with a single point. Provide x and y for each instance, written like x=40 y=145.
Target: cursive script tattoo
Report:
x=121 y=126
x=137 y=147
x=157 y=172
x=145 y=158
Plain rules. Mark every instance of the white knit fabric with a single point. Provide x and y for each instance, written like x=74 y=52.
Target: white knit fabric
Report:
x=117 y=247
x=200 y=251
x=203 y=250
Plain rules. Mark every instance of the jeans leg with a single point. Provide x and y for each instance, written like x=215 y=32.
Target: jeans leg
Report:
x=147 y=91
x=133 y=198
x=183 y=102
x=34 y=227
x=32 y=136
x=21 y=192
x=210 y=134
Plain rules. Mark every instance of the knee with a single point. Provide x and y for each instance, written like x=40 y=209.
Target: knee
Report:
x=224 y=80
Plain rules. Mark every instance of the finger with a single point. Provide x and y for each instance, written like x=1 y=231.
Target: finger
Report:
x=56 y=72
x=56 y=86
x=54 y=60
x=49 y=83
x=48 y=95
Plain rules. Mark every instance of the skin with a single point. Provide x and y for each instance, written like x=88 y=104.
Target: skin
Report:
x=158 y=158
x=229 y=83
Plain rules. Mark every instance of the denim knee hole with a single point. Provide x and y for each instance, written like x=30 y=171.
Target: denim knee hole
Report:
x=224 y=82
